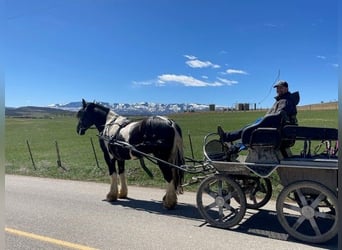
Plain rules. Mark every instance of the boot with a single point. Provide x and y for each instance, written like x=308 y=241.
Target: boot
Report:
x=222 y=134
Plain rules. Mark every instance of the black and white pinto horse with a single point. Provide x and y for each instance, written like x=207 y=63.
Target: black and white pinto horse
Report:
x=156 y=135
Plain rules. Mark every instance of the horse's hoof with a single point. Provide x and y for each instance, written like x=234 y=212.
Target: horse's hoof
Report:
x=111 y=197
x=122 y=195
x=169 y=205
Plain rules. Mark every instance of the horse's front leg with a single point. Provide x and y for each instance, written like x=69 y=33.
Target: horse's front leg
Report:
x=170 y=198
x=113 y=192
x=123 y=190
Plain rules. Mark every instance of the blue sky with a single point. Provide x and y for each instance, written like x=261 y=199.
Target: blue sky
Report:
x=165 y=51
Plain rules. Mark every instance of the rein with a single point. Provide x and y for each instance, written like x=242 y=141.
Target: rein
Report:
x=133 y=148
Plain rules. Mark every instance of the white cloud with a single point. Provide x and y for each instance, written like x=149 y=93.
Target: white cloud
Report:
x=227 y=81
x=335 y=65
x=193 y=62
x=190 y=81
x=321 y=57
x=236 y=71
x=144 y=83
x=187 y=81
x=190 y=57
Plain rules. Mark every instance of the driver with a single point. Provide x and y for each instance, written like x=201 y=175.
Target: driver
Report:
x=285 y=104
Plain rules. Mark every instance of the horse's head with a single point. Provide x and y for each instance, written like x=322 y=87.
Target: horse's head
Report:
x=85 y=117
x=91 y=114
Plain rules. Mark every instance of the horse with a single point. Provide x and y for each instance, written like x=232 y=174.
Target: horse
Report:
x=158 y=136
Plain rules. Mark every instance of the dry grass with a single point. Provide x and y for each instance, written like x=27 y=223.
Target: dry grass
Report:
x=320 y=106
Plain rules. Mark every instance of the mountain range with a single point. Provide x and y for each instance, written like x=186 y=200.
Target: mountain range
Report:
x=125 y=109
x=142 y=108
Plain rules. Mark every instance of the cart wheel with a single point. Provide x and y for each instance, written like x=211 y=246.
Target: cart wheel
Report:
x=217 y=198
x=258 y=191
x=308 y=211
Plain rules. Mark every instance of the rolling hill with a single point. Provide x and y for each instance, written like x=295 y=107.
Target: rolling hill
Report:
x=136 y=109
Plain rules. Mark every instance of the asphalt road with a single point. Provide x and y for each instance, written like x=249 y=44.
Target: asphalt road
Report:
x=59 y=214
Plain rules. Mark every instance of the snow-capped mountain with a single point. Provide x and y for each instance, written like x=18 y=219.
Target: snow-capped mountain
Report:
x=143 y=108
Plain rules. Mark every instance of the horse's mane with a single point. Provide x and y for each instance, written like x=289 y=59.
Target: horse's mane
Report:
x=91 y=106
x=98 y=105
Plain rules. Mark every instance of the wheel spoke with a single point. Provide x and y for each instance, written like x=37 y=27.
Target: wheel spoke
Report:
x=221 y=214
x=229 y=196
x=253 y=199
x=212 y=205
x=220 y=188
x=229 y=207
x=325 y=215
x=316 y=202
x=292 y=207
x=210 y=192
x=315 y=226
x=262 y=188
x=300 y=220
x=301 y=197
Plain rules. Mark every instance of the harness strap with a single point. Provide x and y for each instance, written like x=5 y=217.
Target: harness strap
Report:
x=111 y=131
x=148 y=172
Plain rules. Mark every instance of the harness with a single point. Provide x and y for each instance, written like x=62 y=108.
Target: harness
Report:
x=111 y=133
x=111 y=138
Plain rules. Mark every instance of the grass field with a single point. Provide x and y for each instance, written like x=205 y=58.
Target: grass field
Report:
x=77 y=154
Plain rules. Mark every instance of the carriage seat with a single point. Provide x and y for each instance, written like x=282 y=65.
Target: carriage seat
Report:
x=307 y=134
x=268 y=132
x=265 y=133
x=291 y=132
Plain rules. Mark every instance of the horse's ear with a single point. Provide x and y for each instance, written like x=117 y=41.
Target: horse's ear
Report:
x=84 y=103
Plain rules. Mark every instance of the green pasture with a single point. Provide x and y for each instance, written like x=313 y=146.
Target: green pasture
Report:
x=78 y=158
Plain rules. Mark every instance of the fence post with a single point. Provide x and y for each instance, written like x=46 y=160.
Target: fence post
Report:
x=29 y=149
x=59 y=162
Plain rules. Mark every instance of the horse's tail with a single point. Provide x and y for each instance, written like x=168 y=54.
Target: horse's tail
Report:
x=177 y=158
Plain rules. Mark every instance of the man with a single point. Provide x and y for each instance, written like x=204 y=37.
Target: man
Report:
x=285 y=105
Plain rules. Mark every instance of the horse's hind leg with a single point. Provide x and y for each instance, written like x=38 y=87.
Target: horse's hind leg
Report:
x=123 y=190
x=170 y=198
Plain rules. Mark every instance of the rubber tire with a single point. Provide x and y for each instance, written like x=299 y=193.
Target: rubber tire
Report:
x=267 y=196
x=208 y=187
x=284 y=219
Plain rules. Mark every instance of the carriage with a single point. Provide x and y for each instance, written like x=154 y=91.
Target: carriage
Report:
x=307 y=204
x=232 y=182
